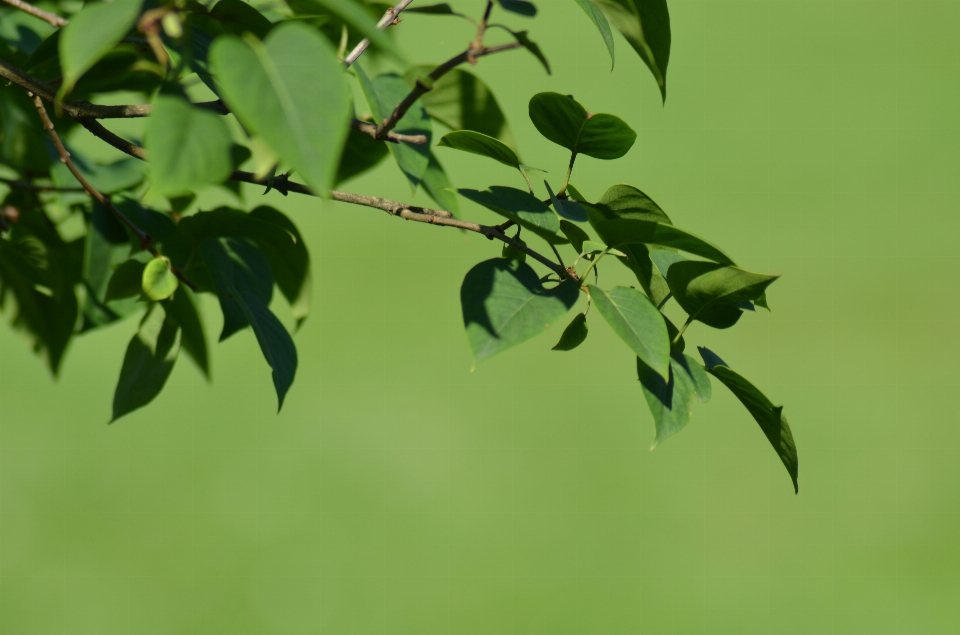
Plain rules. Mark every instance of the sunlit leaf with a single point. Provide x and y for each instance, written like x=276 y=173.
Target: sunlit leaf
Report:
x=564 y=121
x=476 y=143
x=521 y=207
x=619 y=232
x=671 y=400
x=158 y=281
x=596 y=15
x=91 y=34
x=714 y=293
x=637 y=322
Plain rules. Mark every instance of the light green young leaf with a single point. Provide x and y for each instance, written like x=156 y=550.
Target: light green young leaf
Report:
x=619 y=232
x=564 y=121
x=504 y=304
x=637 y=322
x=521 y=207
x=188 y=147
x=713 y=293
x=300 y=110
x=596 y=15
x=148 y=362
x=476 y=143
x=91 y=34
x=671 y=401
x=646 y=26
x=193 y=340
x=771 y=418
x=574 y=335
x=158 y=281
x=383 y=94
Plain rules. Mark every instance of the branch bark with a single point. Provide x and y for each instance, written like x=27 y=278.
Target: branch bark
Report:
x=34 y=187
x=52 y=18
x=390 y=17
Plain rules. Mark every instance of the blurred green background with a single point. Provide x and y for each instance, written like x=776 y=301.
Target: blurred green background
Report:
x=399 y=492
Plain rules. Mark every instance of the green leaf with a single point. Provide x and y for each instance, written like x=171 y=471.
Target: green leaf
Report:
x=520 y=7
x=358 y=19
x=625 y=231
x=524 y=40
x=564 y=121
x=575 y=193
x=148 y=361
x=713 y=293
x=574 y=234
x=126 y=281
x=591 y=247
x=438 y=186
x=762 y=301
x=574 y=335
x=771 y=418
x=664 y=259
x=671 y=401
x=236 y=265
x=434 y=9
x=596 y=15
x=91 y=34
x=521 y=207
x=461 y=101
x=637 y=322
x=238 y=17
x=511 y=252
x=188 y=147
x=383 y=94
x=646 y=26
x=301 y=110
x=192 y=337
x=106 y=246
x=476 y=143
x=159 y=283
x=275 y=343
x=626 y=201
x=504 y=304
x=360 y=154
x=571 y=210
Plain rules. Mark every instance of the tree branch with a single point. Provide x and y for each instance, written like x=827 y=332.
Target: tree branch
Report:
x=52 y=18
x=420 y=89
x=24 y=185
x=369 y=128
x=390 y=17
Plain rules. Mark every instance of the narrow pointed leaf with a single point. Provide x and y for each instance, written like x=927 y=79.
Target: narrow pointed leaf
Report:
x=596 y=15
x=771 y=418
x=562 y=119
x=275 y=343
x=158 y=280
x=574 y=335
x=521 y=207
x=193 y=340
x=533 y=47
x=148 y=362
x=671 y=401
x=617 y=232
x=476 y=143
x=637 y=322
x=646 y=26
x=713 y=293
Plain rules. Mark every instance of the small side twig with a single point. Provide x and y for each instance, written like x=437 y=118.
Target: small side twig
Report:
x=477 y=43
x=149 y=25
x=51 y=18
x=142 y=236
x=390 y=17
x=34 y=187
x=370 y=129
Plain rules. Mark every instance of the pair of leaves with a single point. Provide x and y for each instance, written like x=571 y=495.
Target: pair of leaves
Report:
x=91 y=34
x=300 y=110
x=505 y=304
x=561 y=119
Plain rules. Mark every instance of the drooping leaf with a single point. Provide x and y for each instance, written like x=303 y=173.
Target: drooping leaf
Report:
x=383 y=94
x=236 y=265
x=106 y=246
x=671 y=400
x=193 y=340
x=520 y=7
x=771 y=418
x=91 y=34
x=533 y=47
x=476 y=143
x=521 y=207
x=574 y=234
x=713 y=293
x=126 y=281
x=301 y=110
x=188 y=147
x=437 y=185
x=360 y=154
x=148 y=361
x=238 y=17
x=625 y=231
x=574 y=335
x=564 y=121
x=637 y=322
x=504 y=304
x=571 y=210
x=646 y=26
x=158 y=281
x=596 y=15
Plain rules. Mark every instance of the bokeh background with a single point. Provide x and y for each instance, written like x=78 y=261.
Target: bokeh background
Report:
x=399 y=492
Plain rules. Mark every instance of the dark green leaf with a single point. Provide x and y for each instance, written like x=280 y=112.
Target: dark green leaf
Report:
x=236 y=265
x=481 y=144
x=571 y=210
x=626 y=201
x=574 y=234
x=637 y=322
x=238 y=17
x=91 y=34
x=437 y=185
x=521 y=7
x=360 y=154
x=521 y=207
x=574 y=335
x=148 y=362
x=301 y=110
x=159 y=283
x=671 y=401
x=275 y=343
x=771 y=418
x=126 y=281
x=189 y=147
x=600 y=20
x=533 y=47
x=106 y=246
x=193 y=340
x=664 y=259
x=617 y=232
x=713 y=293
x=504 y=304
x=646 y=26
x=575 y=193
x=762 y=301
x=434 y=9
x=564 y=121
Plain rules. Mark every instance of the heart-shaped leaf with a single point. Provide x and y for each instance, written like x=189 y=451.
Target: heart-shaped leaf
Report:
x=771 y=418
x=637 y=322
x=714 y=293
x=596 y=15
x=504 y=304
x=188 y=147
x=671 y=401
x=619 y=232
x=383 y=94
x=561 y=119
x=574 y=335
x=301 y=110
x=571 y=210
x=91 y=34
x=646 y=26
x=476 y=143
x=158 y=281
x=148 y=361
x=521 y=207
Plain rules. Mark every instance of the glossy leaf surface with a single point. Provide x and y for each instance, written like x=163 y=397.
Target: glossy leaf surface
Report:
x=562 y=119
